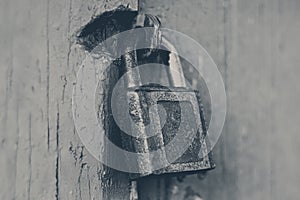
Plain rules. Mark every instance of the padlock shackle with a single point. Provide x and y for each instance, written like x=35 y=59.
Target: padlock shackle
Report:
x=133 y=78
x=175 y=71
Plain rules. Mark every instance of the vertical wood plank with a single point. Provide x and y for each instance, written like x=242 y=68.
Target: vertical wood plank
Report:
x=41 y=154
x=254 y=44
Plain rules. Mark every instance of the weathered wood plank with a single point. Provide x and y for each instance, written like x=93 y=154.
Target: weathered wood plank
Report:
x=81 y=176
x=41 y=154
x=254 y=44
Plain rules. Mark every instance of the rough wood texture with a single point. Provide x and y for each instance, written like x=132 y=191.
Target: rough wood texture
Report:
x=254 y=43
x=41 y=154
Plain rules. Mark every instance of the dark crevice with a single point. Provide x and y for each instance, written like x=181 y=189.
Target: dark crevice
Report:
x=57 y=157
x=48 y=75
x=69 y=29
x=29 y=159
x=17 y=150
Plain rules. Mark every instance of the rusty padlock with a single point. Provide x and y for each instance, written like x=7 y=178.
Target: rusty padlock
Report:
x=182 y=113
x=177 y=100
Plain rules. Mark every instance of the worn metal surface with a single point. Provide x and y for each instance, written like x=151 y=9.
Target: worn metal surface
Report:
x=183 y=109
x=196 y=157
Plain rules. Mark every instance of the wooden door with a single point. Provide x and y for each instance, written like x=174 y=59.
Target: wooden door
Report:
x=255 y=45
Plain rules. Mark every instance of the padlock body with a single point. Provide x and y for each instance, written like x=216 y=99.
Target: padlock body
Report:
x=160 y=116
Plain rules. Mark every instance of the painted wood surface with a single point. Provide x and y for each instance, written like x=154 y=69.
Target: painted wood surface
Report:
x=41 y=154
x=255 y=45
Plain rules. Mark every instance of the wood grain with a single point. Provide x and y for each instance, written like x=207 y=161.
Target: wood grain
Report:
x=41 y=154
x=255 y=45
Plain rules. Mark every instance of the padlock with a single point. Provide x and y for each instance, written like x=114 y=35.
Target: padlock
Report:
x=182 y=109
x=177 y=100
